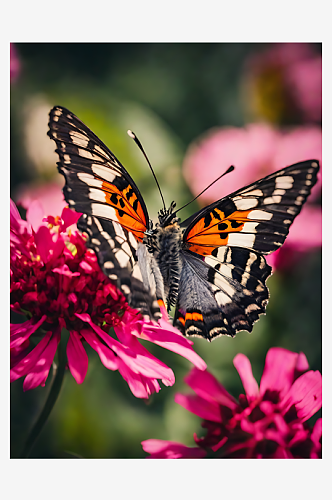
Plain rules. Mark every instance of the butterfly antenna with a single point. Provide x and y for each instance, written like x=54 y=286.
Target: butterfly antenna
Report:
x=133 y=136
x=230 y=169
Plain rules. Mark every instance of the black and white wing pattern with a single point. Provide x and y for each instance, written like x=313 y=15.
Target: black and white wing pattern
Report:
x=116 y=250
x=224 y=245
x=115 y=216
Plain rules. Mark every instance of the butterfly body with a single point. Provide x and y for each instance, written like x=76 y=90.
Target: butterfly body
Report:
x=211 y=267
x=166 y=247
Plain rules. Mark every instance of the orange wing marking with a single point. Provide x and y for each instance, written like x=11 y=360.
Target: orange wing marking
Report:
x=193 y=316
x=212 y=230
x=128 y=208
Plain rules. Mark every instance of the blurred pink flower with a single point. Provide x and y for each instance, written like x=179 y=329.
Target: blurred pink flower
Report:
x=284 y=82
x=256 y=151
x=267 y=422
x=15 y=65
x=57 y=283
x=305 y=82
x=305 y=234
x=41 y=200
x=168 y=449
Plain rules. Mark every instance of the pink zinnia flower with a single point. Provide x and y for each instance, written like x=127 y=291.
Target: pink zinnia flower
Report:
x=57 y=283
x=257 y=150
x=284 y=81
x=267 y=422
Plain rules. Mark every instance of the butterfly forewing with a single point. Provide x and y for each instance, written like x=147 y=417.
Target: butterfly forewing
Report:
x=96 y=182
x=256 y=217
x=114 y=213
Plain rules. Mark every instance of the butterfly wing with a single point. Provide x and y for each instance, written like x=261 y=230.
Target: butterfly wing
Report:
x=221 y=296
x=96 y=182
x=230 y=235
x=116 y=252
x=257 y=216
x=115 y=216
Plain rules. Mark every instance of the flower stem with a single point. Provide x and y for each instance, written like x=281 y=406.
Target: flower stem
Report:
x=50 y=401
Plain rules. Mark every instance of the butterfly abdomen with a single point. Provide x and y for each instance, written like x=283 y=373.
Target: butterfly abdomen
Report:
x=168 y=243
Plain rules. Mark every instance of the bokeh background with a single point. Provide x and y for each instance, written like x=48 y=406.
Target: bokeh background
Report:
x=196 y=108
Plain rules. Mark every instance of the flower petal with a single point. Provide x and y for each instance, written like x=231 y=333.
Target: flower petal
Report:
x=27 y=363
x=170 y=338
x=140 y=386
x=36 y=365
x=147 y=366
x=302 y=364
x=299 y=437
x=305 y=394
x=149 y=362
x=278 y=374
x=243 y=366
x=199 y=406
x=316 y=437
x=39 y=373
x=208 y=387
x=317 y=431
x=77 y=357
x=20 y=332
x=65 y=271
x=69 y=217
x=44 y=242
x=107 y=356
x=169 y=449
x=16 y=223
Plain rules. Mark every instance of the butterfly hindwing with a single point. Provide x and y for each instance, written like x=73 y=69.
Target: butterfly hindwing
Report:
x=220 y=296
x=257 y=216
x=96 y=182
x=116 y=251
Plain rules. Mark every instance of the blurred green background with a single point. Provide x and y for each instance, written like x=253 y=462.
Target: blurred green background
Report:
x=168 y=94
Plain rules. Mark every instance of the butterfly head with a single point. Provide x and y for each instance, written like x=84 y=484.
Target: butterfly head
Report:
x=167 y=217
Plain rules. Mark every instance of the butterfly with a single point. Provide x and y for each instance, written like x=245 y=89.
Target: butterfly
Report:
x=211 y=267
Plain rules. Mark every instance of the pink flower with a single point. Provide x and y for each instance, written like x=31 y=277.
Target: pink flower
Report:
x=58 y=284
x=268 y=421
x=305 y=234
x=168 y=449
x=305 y=81
x=15 y=65
x=256 y=151
x=284 y=82
x=40 y=200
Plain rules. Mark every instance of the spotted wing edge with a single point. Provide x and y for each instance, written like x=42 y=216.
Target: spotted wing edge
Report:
x=221 y=295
